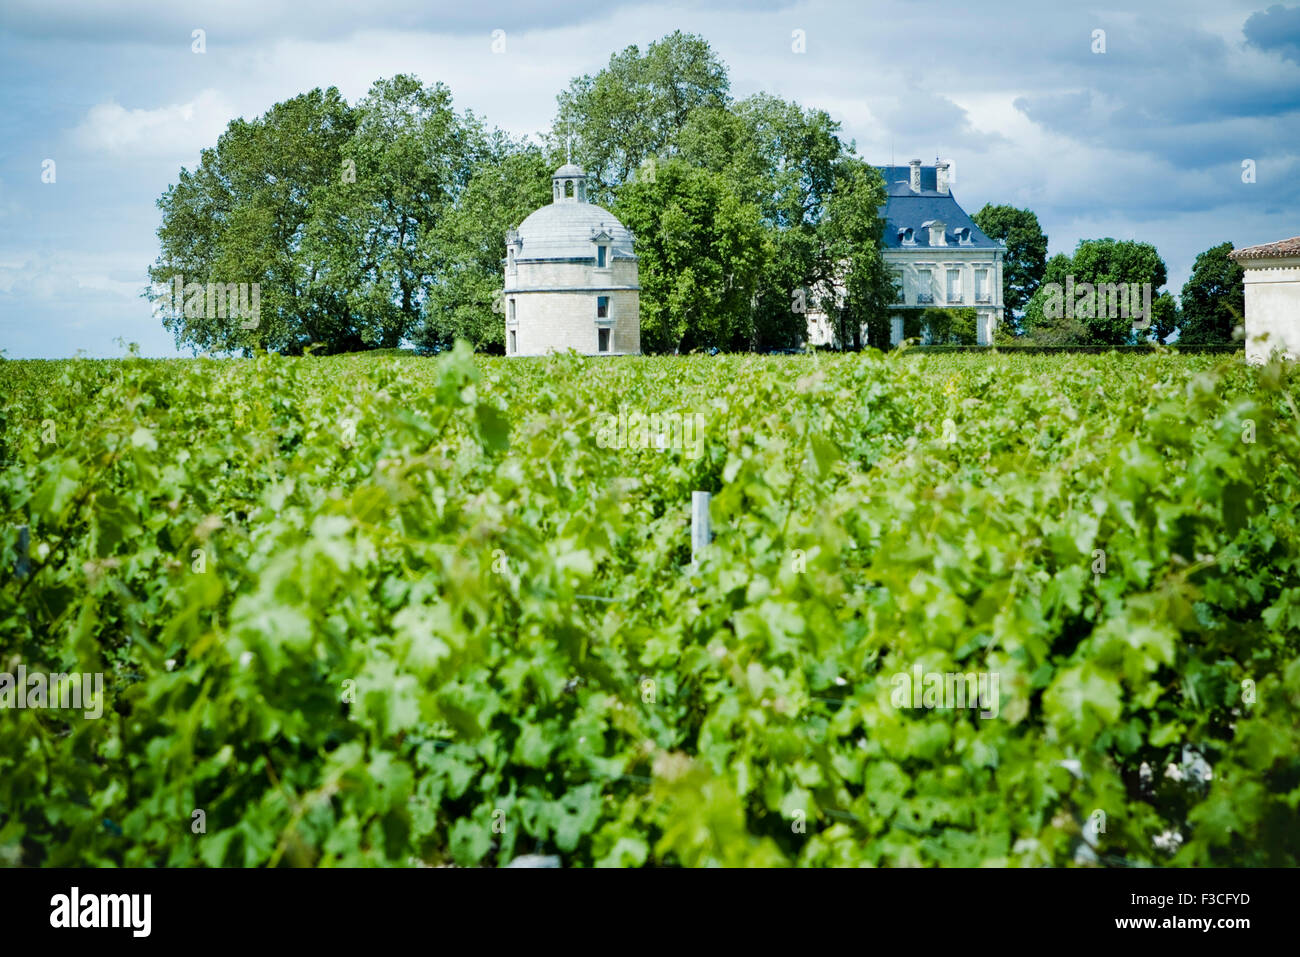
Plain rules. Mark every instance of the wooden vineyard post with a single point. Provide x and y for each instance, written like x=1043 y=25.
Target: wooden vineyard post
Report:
x=701 y=533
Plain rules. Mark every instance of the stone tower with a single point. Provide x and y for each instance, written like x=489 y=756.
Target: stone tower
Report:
x=571 y=277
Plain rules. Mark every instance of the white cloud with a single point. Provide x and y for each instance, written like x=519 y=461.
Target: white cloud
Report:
x=181 y=129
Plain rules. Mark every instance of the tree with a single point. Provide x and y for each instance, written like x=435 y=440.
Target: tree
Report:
x=412 y=157
x=1026 y=255
x=241 y=217
x=788 y=162
x=1213 y=298
x=325 y=207
x=633 y=110
x=700 y=249
x=1165 y=317
x=851 y=233
x=468 y=243
x=1095 y=262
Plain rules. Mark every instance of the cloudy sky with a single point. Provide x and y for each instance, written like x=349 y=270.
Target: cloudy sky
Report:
x=1144 y=141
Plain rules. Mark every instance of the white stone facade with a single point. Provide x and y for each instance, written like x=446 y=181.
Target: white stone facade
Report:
x=1272 y=286
x=571 y=278
x=949 y=277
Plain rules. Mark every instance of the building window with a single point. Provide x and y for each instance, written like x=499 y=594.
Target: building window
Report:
x=602 y=307
x=924 y=287
x=954 y=285
x=982 y=286
x=602 y=340
x=514 y=344
x=511 y=310
x=600 y=257
x=568 y=188
x=901 y=294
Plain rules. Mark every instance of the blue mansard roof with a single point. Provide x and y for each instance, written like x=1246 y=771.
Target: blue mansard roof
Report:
x=905 y=209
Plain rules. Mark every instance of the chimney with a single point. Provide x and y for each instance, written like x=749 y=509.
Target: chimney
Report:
x=915 y=179
x=941 y=178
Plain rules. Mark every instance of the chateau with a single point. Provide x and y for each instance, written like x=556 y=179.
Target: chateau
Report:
x=571 y=277
x=938 y=256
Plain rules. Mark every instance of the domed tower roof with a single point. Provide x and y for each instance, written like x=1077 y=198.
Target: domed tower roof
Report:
x=570 y=226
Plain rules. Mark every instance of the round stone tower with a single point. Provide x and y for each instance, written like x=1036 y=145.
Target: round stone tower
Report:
x=571 y=277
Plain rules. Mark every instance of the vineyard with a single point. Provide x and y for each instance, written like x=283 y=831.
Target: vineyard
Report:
x=392 y=610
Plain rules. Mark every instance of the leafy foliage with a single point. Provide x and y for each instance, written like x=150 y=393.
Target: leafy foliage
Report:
x=1098 y=261
x=636 y=107
x=699 y=251
x=819 y=205
x=243 y=216
x=467 y=244
x=435 y=620
x=1213 y=299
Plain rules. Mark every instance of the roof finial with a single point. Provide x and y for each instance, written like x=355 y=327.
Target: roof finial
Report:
x=568 y=149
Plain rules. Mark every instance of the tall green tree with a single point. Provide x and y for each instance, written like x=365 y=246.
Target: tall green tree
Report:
x=241 y=217
x=468 y=243
x=700 y=249
x=1213 y=298
x=1026 y=256
x=851 y=232
x=788 y=162
x=633 y=110
x=326 y=207
x=1098 y=261
x=408 y=162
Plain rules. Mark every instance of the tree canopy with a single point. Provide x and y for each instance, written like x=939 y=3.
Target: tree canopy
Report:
x=1213 y=299
x=636 y=107
x=700 y=249
x=382 y=224
x=243 y=216
x=1096 y=262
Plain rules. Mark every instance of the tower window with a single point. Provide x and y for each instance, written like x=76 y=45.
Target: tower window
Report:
x=512 y=310
x=600 y=257
x=602 y=340
x=602 y=307
x=514 y=344
x=568 y=187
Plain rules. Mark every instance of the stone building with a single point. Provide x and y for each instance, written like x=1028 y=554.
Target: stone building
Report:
x=571 y=277
x=1272 y=282
x=938 y=256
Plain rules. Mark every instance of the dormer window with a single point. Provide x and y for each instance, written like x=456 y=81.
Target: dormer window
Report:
x=905 y=235
x=963 y=236
x=602 y=238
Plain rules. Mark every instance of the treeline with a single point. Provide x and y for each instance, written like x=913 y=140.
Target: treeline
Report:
x=1209 y=310
x=382 y=223
x=366 y=225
